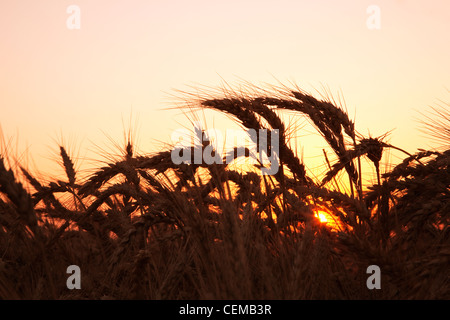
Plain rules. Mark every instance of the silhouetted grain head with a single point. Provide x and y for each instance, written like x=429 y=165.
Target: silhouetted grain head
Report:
x=18 y=196
x=68 y=166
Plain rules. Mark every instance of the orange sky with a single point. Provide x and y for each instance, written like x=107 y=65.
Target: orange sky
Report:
x=131 y=55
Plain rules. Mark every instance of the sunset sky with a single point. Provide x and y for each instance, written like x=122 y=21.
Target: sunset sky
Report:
x=130 y=57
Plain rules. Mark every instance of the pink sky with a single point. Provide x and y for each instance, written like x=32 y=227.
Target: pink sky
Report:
x=130 y=55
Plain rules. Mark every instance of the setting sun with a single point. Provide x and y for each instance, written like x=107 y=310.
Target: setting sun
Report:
x=322 y=216
x=328 y=219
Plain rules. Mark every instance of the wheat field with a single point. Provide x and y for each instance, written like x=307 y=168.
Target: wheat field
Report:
x=142 y=227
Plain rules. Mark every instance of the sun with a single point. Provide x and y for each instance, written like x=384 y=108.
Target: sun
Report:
x=327 y=218
x=322 y=216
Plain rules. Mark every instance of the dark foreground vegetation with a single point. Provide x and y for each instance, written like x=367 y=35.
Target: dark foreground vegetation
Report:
x=143 y=227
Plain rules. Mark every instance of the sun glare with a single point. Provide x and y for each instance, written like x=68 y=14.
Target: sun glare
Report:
x=322 y=216
x=328 y=219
